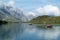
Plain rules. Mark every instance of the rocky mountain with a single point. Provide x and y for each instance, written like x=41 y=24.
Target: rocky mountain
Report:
x=9 y=13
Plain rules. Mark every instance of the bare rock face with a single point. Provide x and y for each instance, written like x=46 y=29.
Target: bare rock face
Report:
x=9 y=13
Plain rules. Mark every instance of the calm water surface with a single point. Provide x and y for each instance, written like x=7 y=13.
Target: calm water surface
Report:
x=24 y=31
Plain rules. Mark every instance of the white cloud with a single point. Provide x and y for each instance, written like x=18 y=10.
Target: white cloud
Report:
x=31 y=13
x=0 y=2
x=49 y=9
x=11 y=3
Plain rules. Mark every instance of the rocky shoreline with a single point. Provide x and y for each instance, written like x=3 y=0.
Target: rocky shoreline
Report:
x=3 y=22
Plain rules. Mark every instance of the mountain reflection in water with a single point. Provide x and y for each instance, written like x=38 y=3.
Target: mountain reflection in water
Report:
x=24 y=31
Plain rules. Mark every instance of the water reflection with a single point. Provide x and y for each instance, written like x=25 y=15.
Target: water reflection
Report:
x=24 y=31
x=7 y=32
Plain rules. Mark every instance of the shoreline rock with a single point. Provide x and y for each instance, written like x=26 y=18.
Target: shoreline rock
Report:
x=3 y=22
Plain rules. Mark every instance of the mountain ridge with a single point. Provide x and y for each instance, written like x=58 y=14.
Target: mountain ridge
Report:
x=45 y=19
x=13 y=12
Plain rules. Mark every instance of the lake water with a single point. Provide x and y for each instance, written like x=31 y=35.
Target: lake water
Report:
x=24 y=31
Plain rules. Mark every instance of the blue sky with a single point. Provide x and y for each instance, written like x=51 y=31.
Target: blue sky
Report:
x=31 y=5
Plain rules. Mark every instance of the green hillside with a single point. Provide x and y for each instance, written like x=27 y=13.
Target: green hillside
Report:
x=46 y=19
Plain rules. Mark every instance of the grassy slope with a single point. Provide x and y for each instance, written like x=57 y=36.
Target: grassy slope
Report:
x=46 y=19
